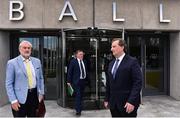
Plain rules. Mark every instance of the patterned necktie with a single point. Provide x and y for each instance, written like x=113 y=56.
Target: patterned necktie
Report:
x=115 y=68
x=29 y=73
x=82 y=70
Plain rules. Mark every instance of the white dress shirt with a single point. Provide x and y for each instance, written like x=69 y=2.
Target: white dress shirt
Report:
x=81 y=69
x=120 y=59
x=33 y=72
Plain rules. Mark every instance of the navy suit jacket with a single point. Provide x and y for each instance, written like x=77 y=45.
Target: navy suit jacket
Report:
x=127 y=84
x=73 y=75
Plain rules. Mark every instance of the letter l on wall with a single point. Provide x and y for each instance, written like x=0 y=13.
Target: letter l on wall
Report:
x=114 y=14
x=161 y=15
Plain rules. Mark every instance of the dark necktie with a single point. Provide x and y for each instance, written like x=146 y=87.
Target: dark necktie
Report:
x=82 y=70
x=115 y=68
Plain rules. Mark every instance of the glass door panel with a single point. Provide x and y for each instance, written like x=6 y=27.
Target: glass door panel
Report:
x=89 y=46
x=104 y=58
x=134 y=47
x=50 y=47
x=149 y=50
x=154 y=68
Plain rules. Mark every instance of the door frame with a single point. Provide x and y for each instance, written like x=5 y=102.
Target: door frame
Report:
x=97 y=36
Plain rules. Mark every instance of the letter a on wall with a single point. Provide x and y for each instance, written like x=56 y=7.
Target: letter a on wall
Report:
x=71 y=13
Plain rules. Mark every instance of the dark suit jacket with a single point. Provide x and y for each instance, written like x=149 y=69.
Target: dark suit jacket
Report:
x=73 y=75
x=127 y=84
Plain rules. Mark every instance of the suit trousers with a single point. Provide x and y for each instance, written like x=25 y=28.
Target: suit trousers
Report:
x=79 y=89
x=115 y=112
x=29 y=108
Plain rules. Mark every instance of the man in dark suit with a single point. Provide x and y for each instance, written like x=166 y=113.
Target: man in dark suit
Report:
x=77 y=76
x=124 y=82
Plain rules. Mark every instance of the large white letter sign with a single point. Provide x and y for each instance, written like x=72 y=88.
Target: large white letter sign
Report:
x=13 y=10
x=161 y=15
x=114 y=14
x=71 y=13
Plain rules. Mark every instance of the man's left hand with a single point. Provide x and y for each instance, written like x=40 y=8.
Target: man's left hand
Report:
x=41 y=97
x=129 y=107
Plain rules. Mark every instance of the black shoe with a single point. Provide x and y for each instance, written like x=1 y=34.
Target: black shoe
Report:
x=78 y=113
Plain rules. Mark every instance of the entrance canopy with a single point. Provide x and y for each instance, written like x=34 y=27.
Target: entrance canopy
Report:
x=93 y=32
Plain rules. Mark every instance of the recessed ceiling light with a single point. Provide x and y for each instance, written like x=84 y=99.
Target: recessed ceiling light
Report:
x=24 y=31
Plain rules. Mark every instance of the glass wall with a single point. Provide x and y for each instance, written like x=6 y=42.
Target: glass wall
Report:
x=56 y=50
x=151 y=51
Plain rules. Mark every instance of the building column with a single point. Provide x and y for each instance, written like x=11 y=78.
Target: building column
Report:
x=4 y=57
x=175 y=65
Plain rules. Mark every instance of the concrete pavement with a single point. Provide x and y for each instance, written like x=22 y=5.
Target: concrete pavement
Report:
x=153 y=106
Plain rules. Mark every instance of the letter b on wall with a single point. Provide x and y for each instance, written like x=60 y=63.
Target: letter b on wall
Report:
x=15 y=10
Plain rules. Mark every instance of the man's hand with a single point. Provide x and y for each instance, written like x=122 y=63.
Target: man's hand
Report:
x=41 y=97
x=129 y=107
x=15 y=106
x=106 y=105
x=68 y=84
